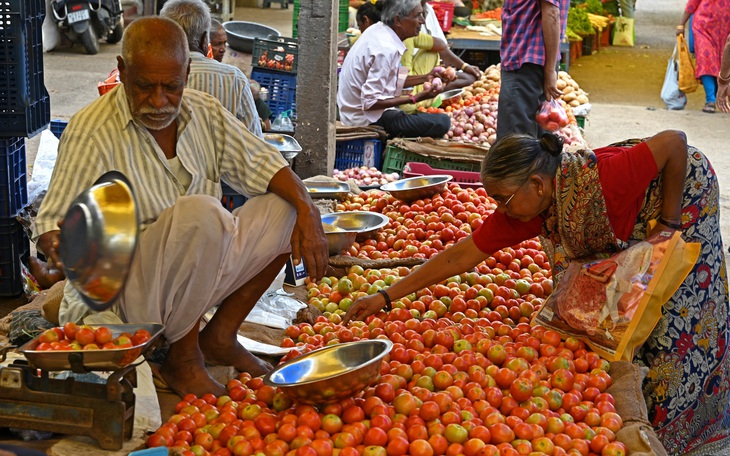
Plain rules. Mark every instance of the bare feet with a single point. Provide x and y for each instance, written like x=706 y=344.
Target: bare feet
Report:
x=186 y=374
x=223 y=352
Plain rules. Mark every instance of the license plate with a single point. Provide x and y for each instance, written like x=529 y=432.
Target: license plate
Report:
x=78 y=16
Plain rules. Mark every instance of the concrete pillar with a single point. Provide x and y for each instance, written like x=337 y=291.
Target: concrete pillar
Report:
x=317 y=87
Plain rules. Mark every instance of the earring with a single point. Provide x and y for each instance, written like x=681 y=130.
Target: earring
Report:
x=539 y=192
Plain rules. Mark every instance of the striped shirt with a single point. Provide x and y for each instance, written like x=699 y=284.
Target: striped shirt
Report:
x=228 y=84
x=522 y=40
x=212 y=145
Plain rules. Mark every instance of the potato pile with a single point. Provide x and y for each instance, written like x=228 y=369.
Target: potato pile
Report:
x=573 y=95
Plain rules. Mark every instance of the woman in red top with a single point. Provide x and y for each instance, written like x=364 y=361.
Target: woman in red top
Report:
x=598 y=201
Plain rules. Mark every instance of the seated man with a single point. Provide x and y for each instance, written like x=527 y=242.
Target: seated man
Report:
x=372 y=79
x=175 y=145
x=218 y=40
x=225 y=82
x=262 y=109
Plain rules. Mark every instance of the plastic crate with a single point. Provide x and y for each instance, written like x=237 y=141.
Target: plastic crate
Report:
x=57 y=127
x=396 y=159
x=444 y=13
x=276 y=51
x=13 y=185
x=343 y=21
x=465 y=179
x=282 y=89
x=14 y=248
x=358 y=152
x=24 y=101
x=231 y=199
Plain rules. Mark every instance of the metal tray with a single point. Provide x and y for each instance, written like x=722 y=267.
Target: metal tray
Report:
x=92 y=360
x=330 y=190
x=287 y=145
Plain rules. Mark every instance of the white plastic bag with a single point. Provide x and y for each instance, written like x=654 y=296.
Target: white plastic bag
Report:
x=674 y=98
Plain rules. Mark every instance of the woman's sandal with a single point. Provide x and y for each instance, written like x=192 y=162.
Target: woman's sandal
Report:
x=709 y=108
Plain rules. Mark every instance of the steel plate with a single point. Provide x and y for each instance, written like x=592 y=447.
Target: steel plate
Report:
x=331 y=190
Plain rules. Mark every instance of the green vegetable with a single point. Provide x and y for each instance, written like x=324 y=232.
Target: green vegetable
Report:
x=594 y=7
x=578 y=22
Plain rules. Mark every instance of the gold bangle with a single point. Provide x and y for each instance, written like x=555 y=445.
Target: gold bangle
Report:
x=680 y=27
x=464 y=66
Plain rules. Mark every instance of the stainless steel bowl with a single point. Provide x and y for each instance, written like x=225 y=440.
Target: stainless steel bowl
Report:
x=98 y=239
x=241 y=34
x=287 y=145
x=418 y=187
x=365 y=224
x=331 y=190
x=88 y=360
x=331 y=373
x=338 y=239
x=451 y=94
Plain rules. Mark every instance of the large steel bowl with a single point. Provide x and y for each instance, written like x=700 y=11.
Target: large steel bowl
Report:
x=338 y=239
x=365 y=224
x=418 y=187
x=241 y=34
x=331 y=373
x=98 y=239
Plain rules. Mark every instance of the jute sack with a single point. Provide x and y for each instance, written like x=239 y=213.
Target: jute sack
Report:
x=637 y=433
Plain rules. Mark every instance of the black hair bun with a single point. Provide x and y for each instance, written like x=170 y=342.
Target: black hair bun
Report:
x=551 y=143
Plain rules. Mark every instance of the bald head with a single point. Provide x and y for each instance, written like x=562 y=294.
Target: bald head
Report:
x=155 y=36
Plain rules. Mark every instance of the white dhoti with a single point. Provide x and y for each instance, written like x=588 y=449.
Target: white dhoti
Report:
x=196 y=254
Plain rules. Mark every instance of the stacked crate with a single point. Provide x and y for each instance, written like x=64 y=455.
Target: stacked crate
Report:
x=24 y=112
x=274 y=66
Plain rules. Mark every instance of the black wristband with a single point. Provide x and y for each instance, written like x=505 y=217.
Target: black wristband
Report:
x=675 y=226
x=388 y=304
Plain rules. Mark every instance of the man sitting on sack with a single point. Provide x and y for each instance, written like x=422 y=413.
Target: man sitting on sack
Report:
x=175 y=145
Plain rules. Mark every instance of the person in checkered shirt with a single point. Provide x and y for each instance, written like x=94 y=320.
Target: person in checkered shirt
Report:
x=530 y=53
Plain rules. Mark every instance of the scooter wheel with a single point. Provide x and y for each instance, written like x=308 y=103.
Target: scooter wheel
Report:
x=115 y=35
x=90 y=41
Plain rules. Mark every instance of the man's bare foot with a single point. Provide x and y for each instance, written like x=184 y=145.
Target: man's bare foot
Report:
x=218 y=352
x=189 y=375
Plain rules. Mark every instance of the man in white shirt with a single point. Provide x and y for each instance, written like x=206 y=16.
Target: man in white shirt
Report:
x=225 y=82
x=175 y=145
x=372 y=79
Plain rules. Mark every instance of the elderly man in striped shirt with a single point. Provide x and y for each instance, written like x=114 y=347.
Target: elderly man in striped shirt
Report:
x=225 y=82
x=529 y=51
x=175 y=145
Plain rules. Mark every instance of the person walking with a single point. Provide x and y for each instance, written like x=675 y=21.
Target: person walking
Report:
x=710 y=28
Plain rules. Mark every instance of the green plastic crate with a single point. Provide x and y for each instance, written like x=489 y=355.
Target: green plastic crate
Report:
x=396 y=158
x=581 y=121
x=344 y=20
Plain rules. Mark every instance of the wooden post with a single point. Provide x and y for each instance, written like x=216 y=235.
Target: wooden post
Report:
x=317 y=87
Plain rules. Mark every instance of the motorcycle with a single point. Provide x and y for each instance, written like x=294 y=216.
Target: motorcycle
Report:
x=87 y=21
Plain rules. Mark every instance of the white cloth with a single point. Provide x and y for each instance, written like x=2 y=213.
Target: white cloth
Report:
x=182 y=267
x=369 y=73
x=432 y=26
x=229 y=85
x=212 y=145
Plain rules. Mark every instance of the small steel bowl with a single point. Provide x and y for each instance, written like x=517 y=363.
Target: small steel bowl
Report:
x=418 y=187
x=338 y=239
x=365 y=224
x=329 y=190
x=331 y=373
x=450 y=96
x=98 y=239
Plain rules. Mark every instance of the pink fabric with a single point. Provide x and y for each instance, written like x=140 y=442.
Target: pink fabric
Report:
x=711 y=27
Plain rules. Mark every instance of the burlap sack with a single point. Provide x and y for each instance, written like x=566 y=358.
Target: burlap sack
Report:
x=637 y=433
x=52 y=301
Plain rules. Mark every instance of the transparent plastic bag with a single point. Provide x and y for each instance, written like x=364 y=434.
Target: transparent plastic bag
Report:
x=551 y=116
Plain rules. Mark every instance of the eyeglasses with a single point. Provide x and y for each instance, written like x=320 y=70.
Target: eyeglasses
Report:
x=506 y=202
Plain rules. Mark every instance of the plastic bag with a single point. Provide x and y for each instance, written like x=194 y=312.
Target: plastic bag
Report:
x=282 y=122
x=614 y=303
x=623 y=32
x=551 y=116
x=674 y=98
x=688 y=83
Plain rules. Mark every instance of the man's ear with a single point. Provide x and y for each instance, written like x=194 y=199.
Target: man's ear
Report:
x=203 y=43
x=122 y=68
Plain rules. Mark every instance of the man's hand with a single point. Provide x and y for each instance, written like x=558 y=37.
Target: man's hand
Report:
x=364 y=307
x=309 y=243
x=473 y=70
x=551 y=85
x=48 y=243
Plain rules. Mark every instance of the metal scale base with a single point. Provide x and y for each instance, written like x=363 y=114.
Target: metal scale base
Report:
x=29 y=399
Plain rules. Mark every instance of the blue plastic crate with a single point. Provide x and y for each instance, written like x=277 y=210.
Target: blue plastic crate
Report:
x=13 y=184
x=57 y=127
x=14 y=248
x=282 y=89
x=24 y=101
x=231 y=199
x=358 y=152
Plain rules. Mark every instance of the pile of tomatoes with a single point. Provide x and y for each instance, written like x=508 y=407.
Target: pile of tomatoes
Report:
x=85 y=337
